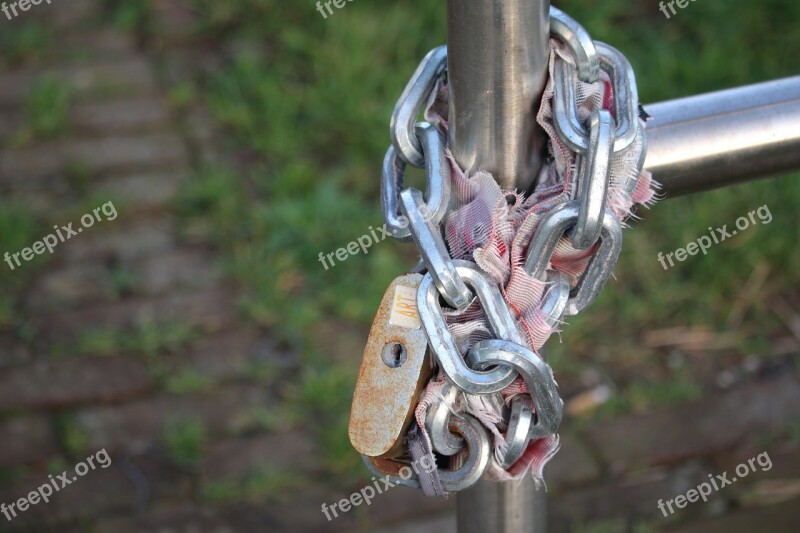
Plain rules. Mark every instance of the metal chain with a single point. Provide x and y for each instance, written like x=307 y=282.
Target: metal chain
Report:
x=586 y=220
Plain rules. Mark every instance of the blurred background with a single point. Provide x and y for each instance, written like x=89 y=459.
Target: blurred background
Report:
x=199 y=341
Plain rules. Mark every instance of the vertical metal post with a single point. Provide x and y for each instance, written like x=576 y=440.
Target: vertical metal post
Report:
x=497 y=69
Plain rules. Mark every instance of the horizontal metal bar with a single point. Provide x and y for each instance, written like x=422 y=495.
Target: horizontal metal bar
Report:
x=726 y=137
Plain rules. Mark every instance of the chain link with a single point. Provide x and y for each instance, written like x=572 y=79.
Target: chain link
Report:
x=411 y=103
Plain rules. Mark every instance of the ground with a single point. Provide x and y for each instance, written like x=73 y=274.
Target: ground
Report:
x=197 y=339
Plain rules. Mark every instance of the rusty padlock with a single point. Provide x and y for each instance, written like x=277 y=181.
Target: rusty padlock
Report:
x=394 y=371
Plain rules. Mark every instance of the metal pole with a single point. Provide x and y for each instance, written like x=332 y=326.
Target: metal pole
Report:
x=726 y=137
x=497 y=70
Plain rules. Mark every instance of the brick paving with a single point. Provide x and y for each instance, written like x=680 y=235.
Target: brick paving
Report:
x=63 y=397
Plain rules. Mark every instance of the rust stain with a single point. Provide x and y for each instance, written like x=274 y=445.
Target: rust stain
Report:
x=385 y=397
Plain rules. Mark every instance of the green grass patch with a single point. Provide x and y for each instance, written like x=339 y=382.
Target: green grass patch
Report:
x=46 y=112
x=269 y=482
x=188 y=380
x=185 y=440
x=24 y=43
x=74 y=439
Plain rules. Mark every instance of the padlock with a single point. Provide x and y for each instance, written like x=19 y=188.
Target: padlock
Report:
x=394 y=371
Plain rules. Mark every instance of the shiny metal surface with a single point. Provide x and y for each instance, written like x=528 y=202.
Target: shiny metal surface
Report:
x=516 y=507
x=456 y=480
x=437 y=174
x=428 y=237
x=552 y=227
x=497 y=69
x=519 y=427
x=718 y=139
x=411 y=103
x=556 y=299
x=568 y=30
x=443 y=345
x=537 y=374
x=437 y=422
x=626 y=101
x=593 y=178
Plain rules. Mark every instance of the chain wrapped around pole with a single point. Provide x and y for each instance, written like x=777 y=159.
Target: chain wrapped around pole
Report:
x=504 y=267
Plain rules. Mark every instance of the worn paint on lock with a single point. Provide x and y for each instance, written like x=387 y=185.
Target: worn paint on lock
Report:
x=386 y=395
x=404 y=308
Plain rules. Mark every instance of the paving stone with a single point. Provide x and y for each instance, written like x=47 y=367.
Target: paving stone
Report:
x=779 y=518
x=633 y=497
x=344 y=341
x=124 y=486
x=40 y=202
x=140 y=191
x=115 y=154
x=193 y=268
x=785 y=460
x=69 y=16
x=400 y=504
x=10 y=123
x=298 y=511
x=209 y=309
x=132 y=115
x=58 y=383
x=14 y=352
x=69 y=286
x=226 y=355
x=785 y=464
x=138 y=426
x=120 y=243
x=234 y=460
x=182 y=517
x=41 y=163
x=26 y=439
x=72 y=284
x=437 y=524
x=176 y=23
x=698 y=428
x=572 y=464
x=131 y=76
x=100 y=45
x=33 y=167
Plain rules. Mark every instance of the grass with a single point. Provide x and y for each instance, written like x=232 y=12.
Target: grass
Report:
x=189 y=380
x=185 y=439
x=24 y=43
x=149 y=339
x=74 y=439
x=19 y=228
x=46 y=112
x=267 y=482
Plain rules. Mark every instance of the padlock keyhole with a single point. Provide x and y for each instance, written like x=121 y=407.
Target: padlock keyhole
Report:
x=394 y=354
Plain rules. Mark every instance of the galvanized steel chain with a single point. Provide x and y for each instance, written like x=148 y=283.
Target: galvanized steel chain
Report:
x=598 y=139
